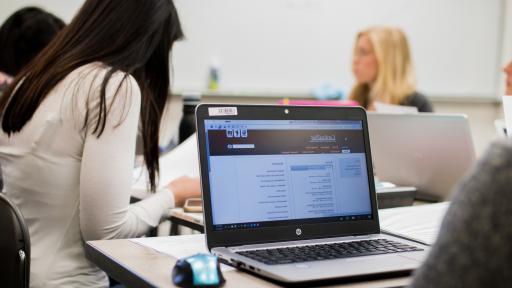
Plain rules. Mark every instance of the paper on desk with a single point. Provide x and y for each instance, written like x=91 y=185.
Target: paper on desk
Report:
x=196 y=217
x=381 y=107
x=507 y=109
x=182 y=160
x=178 y=246
x=420 y=222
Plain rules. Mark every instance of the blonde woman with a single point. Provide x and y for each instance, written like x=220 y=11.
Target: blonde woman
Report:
x=383 y=70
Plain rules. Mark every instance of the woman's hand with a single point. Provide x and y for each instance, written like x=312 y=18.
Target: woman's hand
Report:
x=183 y=188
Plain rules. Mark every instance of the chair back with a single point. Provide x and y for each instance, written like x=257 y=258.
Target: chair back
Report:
x=14 y=246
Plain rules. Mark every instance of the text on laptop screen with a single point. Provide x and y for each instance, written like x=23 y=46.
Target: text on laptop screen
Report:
x=276 y=172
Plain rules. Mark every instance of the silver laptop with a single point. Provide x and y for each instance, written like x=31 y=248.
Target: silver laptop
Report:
x=289 y=194
x=429 y=151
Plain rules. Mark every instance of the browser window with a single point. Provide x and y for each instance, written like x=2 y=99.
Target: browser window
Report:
x=273 y=172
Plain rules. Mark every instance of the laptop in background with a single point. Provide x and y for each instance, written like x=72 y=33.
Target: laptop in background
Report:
x=429 y=151
x=288 y=193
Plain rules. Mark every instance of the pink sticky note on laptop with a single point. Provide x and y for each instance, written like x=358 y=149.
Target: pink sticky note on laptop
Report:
x=318 y=102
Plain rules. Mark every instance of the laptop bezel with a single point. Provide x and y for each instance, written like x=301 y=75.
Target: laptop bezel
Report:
x=249 y=236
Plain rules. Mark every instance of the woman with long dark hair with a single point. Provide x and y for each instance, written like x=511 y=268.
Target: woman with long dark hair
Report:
x=69 y=126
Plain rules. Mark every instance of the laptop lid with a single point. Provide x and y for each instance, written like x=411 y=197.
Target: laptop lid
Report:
x=431 y=152
x=283 y=173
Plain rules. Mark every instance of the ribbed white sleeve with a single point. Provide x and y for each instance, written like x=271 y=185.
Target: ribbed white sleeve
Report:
x=106 y=172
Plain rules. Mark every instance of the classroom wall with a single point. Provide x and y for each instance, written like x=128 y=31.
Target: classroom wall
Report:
x=481 y=113
x=290 y=47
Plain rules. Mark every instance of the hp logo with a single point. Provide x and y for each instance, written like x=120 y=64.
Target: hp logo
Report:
x=298 y=232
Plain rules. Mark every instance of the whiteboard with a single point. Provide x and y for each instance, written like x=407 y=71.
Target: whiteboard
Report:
x=292 y=46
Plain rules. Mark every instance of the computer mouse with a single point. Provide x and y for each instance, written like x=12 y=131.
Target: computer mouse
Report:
x=200 y=270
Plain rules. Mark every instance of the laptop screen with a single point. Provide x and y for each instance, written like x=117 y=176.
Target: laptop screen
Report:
x=267 y=173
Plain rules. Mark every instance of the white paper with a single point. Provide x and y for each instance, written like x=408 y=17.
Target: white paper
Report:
x=507 y=110
x=196 y=217
x=178 y=246
x=381 y=107
x=182 y=160
x=418 y=222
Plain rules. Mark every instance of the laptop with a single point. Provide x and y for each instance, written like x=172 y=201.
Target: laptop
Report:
x=288 y=193
x=431 y=152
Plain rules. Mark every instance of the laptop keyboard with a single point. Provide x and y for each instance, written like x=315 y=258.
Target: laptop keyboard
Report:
x=329 y=251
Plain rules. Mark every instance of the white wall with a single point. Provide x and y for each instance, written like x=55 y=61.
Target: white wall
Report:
x=65 y=9
x=292 y=46
x=280 y=46
x=481 y=114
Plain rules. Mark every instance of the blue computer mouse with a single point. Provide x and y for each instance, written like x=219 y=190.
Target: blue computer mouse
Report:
x=200 y=270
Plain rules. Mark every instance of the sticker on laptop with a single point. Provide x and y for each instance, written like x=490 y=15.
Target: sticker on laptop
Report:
x=222 y=111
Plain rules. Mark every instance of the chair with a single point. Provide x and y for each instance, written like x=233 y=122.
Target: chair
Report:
x=14 y=246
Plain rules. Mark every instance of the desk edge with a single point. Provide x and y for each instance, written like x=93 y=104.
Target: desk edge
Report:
x=114 y=269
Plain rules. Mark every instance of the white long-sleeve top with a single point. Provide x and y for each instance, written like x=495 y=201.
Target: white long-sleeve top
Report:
x=72 y=186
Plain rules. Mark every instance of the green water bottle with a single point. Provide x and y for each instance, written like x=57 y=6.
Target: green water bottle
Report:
x=213 y=82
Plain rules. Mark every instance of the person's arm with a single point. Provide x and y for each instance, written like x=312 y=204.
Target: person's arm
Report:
x=106 y=173
x=474 y=245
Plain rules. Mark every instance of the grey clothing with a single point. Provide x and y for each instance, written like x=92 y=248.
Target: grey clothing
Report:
x=416 y=99
x=474 y=248
x=419 y=101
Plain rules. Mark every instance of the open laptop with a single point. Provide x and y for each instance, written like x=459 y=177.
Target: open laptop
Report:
x=429 y=151
x=288 y=193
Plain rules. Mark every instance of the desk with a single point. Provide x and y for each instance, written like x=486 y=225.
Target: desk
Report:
x=179 y=217
x=137 y=266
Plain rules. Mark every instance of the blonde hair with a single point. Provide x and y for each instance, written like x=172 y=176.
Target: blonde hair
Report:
x=395 y=76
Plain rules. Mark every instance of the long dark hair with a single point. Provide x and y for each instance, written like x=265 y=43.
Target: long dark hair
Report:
x=131 y=36
x=23 y=35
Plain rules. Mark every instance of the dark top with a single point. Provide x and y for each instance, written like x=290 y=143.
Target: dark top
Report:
x=474 y=248
x=419 y=101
